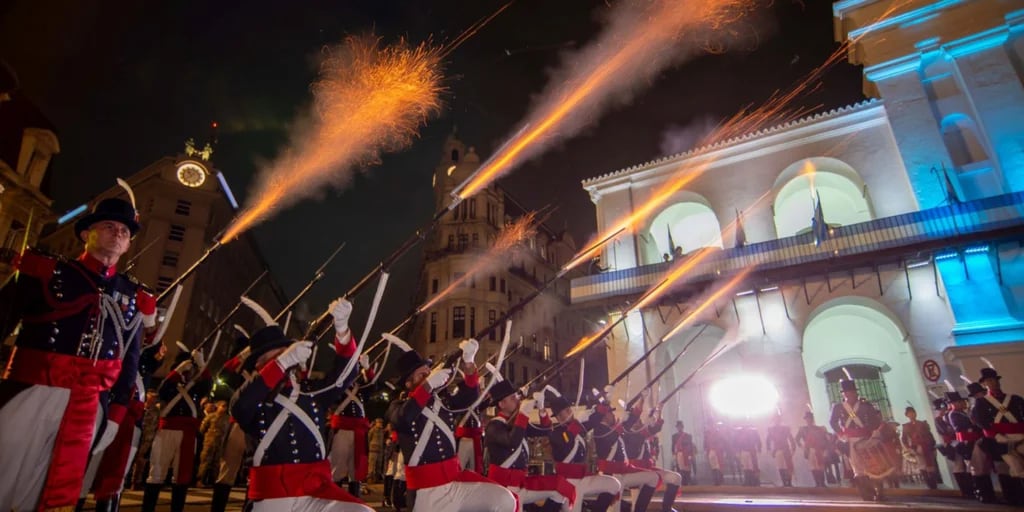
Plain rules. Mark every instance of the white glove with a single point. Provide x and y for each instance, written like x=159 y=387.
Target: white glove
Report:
x=108 y=437
x=364 y=361
x=341 y=309
x=469 y=348
x=527 y=406
x=184 y=367
x=438 y=378
x=583 y=415
x=197 y=356
x=295 y=355
x=538 y=397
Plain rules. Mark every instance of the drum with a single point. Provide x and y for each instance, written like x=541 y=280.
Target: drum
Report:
x=876 y=459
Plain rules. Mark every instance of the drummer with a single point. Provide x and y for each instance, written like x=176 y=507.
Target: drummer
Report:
x=855 y=420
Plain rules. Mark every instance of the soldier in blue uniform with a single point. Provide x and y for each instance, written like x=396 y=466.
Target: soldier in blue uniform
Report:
x=1001 y=418
x=509 y=453
x=174 y=446
x=287 y=417
x=638 y=438
x=69 y=381
x=349 y=450
x=569 y=449
x=236 y=442
x=965 y=437
x=855 y=420
x=609 y=439
x=425 y=424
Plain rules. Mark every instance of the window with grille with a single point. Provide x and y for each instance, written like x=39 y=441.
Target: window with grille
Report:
x=451 y=241
x=459 y=322
x=177 y=233
x=433 y=286
x=870 y=386
x=170 y=259
x=463 y=241
x=433 y=327
x=184 y=207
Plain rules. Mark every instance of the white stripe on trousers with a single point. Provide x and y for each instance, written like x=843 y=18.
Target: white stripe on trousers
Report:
x=28 y=428
x=307 y=504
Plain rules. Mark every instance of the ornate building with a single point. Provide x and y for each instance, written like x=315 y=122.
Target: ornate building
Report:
x=27 y=145
x=913 y=268
x=184 y=202
x=545 y=327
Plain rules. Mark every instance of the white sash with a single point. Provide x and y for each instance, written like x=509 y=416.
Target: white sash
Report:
x=518 y=451
x=433 y=421
x=289 y=408
x=852 y=414
x=577 y=443
x=182 y=393
x=1003 y=409
x=351 y=396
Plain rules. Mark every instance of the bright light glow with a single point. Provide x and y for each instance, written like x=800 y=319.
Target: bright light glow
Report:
x=451 y=170
x=227 y=190
x=72 y=214
x=745 y=396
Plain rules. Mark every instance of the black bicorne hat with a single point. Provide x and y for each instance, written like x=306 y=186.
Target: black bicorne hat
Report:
x=847 y=385
x=974 y=388
x=952 y=396
x=408 y=363
x=265 y=340
x=557 y=403
x=111 y=208
x=940 y=404
x=989 y=373
x=499 y=391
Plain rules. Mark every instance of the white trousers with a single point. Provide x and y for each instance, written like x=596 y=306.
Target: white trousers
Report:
x=638 y=479
x=28 y=429
x=529 y=496
x=342 y=456
x=467 y=459
x=714 y=460
x=669 y=477
x=165 y=455
x=465 y=497
x=94 y=458
x=593 y=485
x=232 y=455
x=307 y=504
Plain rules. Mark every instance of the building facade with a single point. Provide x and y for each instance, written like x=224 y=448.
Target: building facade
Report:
x=910 y=273
x=28 y=143
x=184 y=203
x=456 y=250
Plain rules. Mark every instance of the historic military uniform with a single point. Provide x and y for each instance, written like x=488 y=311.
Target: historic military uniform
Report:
x=174 y=446
x=748 y=444
x=962 y=447
x=715 y=448
x=569 y=449
x=814 y=440
x=856 y=422
x=349 y=449
x=69 y=380
x=288 y=420
x=639 y=440
x=509 y=453
x=425 y=424
x=236 y=443
x=611 y=458
x=780 y=443
x=1001 y=418
x=470 y=436
x=684 y=451
x=917 y=437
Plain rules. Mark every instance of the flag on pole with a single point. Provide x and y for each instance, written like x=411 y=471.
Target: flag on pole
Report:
x=741 y=236
x=671 y=243
x=818 y=225
x=951 y=196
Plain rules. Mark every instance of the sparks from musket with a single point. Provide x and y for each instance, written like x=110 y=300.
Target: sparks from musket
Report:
x=510 y=237
x=369 y=99
x=642 y=39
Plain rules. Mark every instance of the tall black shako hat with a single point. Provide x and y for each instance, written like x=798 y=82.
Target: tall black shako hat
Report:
x=974 y=388
x=265 y=339
x=409 y=360
x=499 y=391
x=847 y=385
x=989 y=373
x=557 y=403
x=113 y=208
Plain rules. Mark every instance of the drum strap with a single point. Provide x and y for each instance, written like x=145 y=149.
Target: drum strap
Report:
x=851 y=411
x=1003 y=409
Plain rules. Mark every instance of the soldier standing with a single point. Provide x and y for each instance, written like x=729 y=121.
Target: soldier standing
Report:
x=966 y=434
x=349 y=449
x=637 y=437
x=683 y=451
x=1001 y=418
x=75 y=359
x=286 y=415
x=611 y=458
x=425 y=424
x=780 y=444
x=917 y=437
x=375 y=438
x=855 y=420
x=814 y=440
x=569 y=449
x=235 y=443
x=715 y=450
x=748 y=444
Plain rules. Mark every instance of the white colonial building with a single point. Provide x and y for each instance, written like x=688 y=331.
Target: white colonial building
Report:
x=919 y=270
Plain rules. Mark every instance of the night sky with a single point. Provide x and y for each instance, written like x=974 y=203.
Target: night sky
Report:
x=126 y=82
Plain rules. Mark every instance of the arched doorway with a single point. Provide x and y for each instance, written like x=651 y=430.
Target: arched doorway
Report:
x=679 y=229
x=839 y=186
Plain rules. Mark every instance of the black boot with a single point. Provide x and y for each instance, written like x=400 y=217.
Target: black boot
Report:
x=355 y=488
x=150 y=496
x=80 y=504
x=864 y=488
x=603 y=502
x=221 y=495
x=965 y=484
x=643 y=499
x=102 y=505
x=686 y=478
x=878 y=486
x=717 y=476
x=1018 y=499
x=178 y=494
x=669 y=500
x=819 y=478
x=388 y=483
x=1006 y=487
x=931 y=480
x=983 y=490
x=398 y=495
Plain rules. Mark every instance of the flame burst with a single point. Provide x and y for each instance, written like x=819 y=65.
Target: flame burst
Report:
x=369 y=99
x=510 y=238
x=643 y=38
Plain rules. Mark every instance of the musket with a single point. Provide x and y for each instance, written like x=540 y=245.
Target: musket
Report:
x=714 y=355
x=317 y=276
x=189 y=271
x=227 y=318
x=665 y=370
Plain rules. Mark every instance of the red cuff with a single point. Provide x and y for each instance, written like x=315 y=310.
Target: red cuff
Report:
x=173 y=377
x=272 y=373
x=545 y=420
x=421 y=395
x=346 y=349
x=471 y=380
x=369 y=374
x=522 y=421
x=116 y=412
x=232 y=365
x=146 y=303
x=575 y=427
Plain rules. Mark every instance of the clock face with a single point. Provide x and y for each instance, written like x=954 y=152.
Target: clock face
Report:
x=191 y=175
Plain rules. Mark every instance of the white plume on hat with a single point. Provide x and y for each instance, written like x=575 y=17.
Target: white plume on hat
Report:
x=267 y=318
x=396 y=341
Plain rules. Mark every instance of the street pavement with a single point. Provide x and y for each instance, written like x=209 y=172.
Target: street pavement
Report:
x=692 y=499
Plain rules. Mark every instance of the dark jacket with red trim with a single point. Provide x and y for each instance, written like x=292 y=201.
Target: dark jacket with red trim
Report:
x=406 y=416
x=169 y=389
x=984 y=414
x=637 y=436
x=609 y=442
x=503 y=436
x=562 y=438
x=254 y=408
x=867 y=413
x=59 y=304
